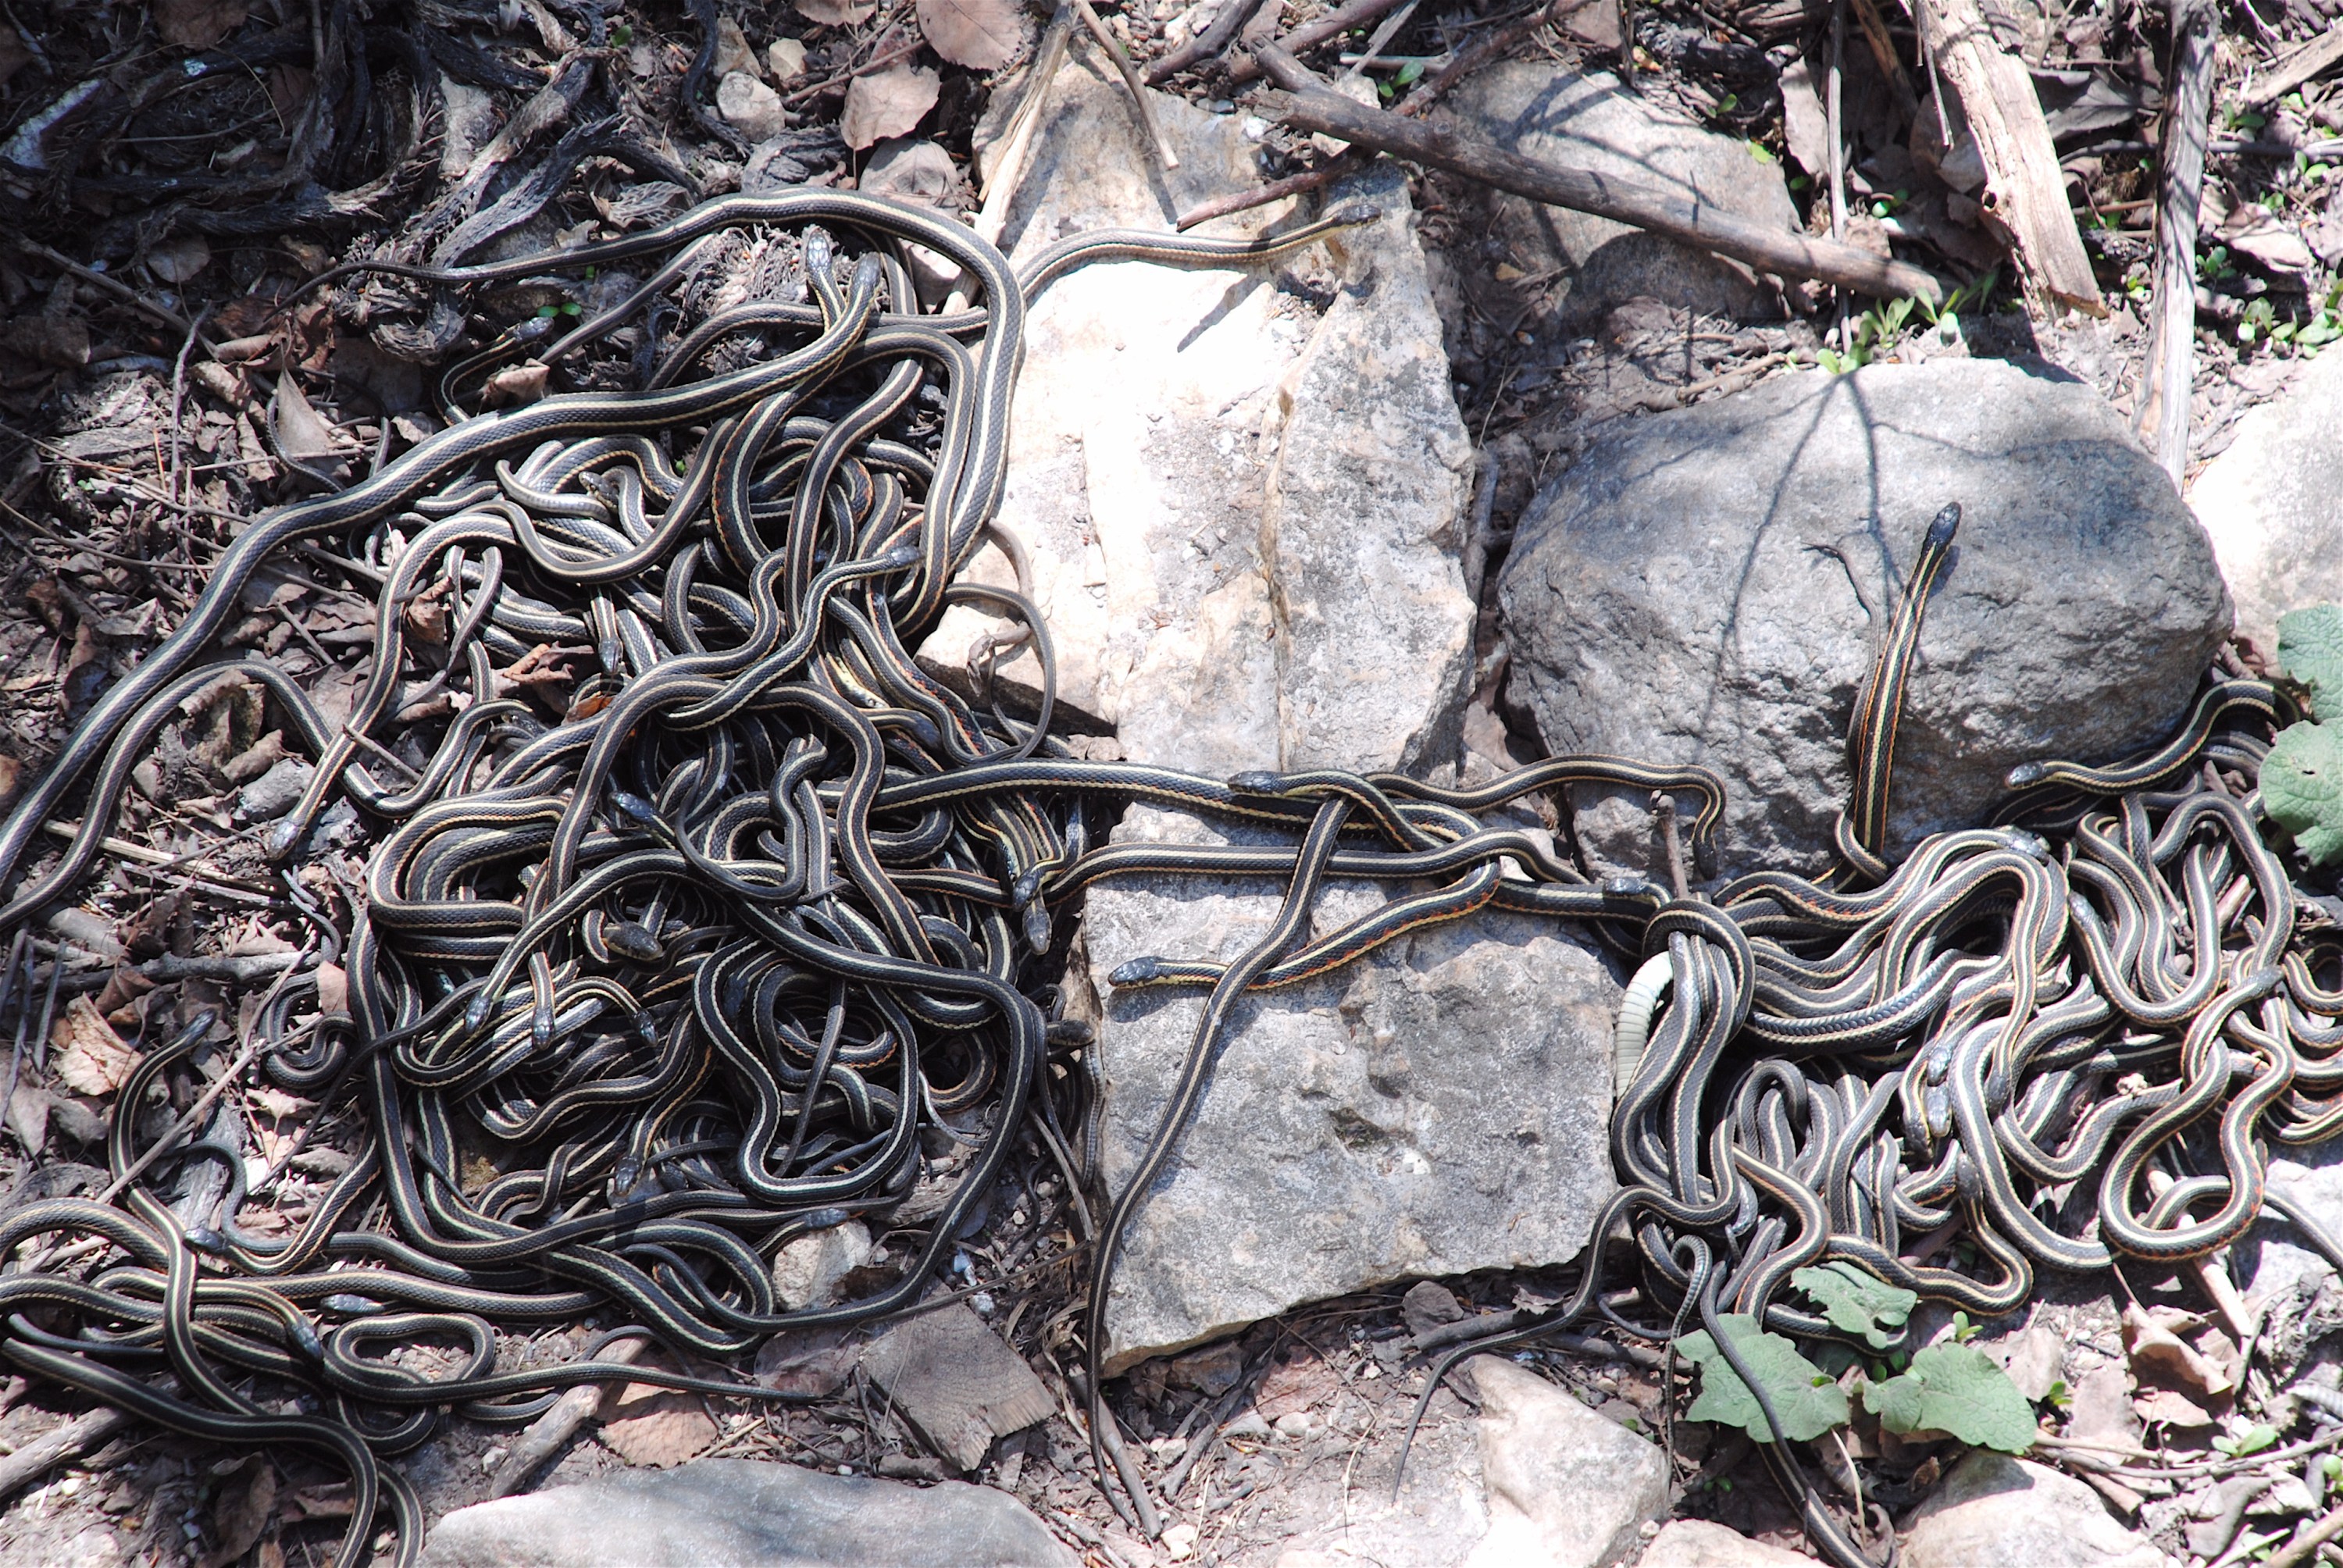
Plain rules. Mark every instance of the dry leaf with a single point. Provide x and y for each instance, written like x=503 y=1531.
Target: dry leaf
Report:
x=2163 y=1405
x=516 y=384
x=11 y=770
x=241 y=1515
x=177 y=260
x=810 y=1363
x=837 y=13
x=14 y=56
x=197 y=24
x=91 y=1057
x=28 y=1118
x=2160 y=1356
x=982 y=35
x=59 y=342
x=654 y=1426
x=302 y=433
x=887 y=105
x=333 y=988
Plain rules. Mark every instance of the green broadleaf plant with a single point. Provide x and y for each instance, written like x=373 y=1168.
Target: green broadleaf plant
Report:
x=1808 y=1402
x=1955 y=1390
x=1855 y=1304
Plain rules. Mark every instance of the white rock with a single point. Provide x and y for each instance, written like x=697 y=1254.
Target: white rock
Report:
x=1241 y=508
x=1993 y=1509
x=1567 y=1487
x=2269 y=502
x=806 y=1271
x=1697 y=1544
x=785 y=59
x=751 y=107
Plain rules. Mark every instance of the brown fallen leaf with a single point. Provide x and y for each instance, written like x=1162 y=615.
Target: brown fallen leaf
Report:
x=654 y=1426
x=28 y=1118
x=177 y=260
x=58 y=342
x=516 y=384
x=2159 y=1356
x=808 y=1363
x=887 y=104
x=302 y=433
x=197 y=24
x=91 y=1057
x=2163 y=1405
x=982 y=35
x=837 y=13
x=14 y=56
x=242 y=1513
x=11 y=772
x=333 y=989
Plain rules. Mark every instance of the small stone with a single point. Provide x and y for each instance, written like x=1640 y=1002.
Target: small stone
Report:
x=1428 y=1305
x=741 y=1510
x=1246 y=1423
x=1697 y=1544
x=1995 y=1509
x=785 y=59
x=733 y=51
x=806 y=1271
x=490 y=1457
x=751 y=107
x=1212 y=1371
x=274 y=792
x=1565 y=1486
x=1295 y=1423
x=2267 y=501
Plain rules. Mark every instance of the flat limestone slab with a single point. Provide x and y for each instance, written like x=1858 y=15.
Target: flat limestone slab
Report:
x=742 y=1514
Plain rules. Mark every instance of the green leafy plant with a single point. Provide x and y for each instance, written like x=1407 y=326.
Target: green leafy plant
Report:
x=1954 y=1389
x=2059 y=1397
x=2253 y=1441
x=2302 y=778
x=1855 y=1304
x=2215 y=264
x=1808 y=1402
x=1885 y=202
x=1964 y=1330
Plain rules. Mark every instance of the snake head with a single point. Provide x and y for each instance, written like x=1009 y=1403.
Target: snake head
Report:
x=1138 y=971
x=1946 y=523
x=475 y=1016
x=1354 y=214
x=1256 y=781
x=1036 y=927
x=2024 y=774
x=634 y=807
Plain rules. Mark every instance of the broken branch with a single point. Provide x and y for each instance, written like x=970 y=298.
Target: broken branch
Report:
x=1313 y=107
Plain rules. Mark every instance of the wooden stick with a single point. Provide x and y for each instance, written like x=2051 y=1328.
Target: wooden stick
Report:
x=558 y=1425
x=1340 y=20
x=2166 y=393
x=69 y=1442
x=2024 y=192
x=1313 y=107
x=2299 y=67
x=1325 y=175
x=1207 y=44
x=1129 y=73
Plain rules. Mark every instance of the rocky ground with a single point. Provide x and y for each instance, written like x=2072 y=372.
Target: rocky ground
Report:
x=1477 y=483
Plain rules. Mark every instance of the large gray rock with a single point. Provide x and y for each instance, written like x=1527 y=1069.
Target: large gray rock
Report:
x=1589 y=122
x=1438 y=1108
x=1240 y=496
x=1567 y=1487
x=1995 y=1509
x=739 y=1514
x=1709 y=585
x=2269 y=502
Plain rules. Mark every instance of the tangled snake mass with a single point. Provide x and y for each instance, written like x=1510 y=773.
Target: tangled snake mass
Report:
x=695 y=966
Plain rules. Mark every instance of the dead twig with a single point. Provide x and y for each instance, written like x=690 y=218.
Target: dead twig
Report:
x=84 y=1433
x=1311 y=107
x=545 y=1435
x=2165 y=391
x=1309 y=36
x=1309 y=180
x=1129 y=73
x=2310 y=60
x=1206 y=45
